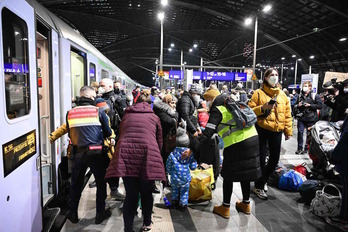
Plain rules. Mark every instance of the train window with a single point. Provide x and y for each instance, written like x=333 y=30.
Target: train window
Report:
x=16 y=64
x=104 y=74
x=92 y=76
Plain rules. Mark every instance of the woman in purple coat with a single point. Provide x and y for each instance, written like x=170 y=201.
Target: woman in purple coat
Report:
x=137 y=159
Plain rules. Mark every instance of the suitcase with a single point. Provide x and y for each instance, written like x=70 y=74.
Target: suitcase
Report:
x=209 y=154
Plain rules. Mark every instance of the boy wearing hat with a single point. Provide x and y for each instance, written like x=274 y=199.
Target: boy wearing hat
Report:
x=179 y=169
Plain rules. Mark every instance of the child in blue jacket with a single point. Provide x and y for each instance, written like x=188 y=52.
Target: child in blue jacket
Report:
x=179 y=170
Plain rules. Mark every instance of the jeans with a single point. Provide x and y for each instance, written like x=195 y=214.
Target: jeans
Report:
x=301 y=126
x=134 y=186
x=274 y=140
x=80 y=163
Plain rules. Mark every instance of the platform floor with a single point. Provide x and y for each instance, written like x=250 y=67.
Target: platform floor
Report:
x=282 y=212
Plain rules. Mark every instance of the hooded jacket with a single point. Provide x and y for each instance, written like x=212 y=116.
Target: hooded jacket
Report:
x=186 y=108
x=179 y=169
x=280 y=117
x=137 y=153
x=167 y=115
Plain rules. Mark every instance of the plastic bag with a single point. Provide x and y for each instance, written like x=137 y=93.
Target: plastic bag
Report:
x=291 y=181
x=200 y=185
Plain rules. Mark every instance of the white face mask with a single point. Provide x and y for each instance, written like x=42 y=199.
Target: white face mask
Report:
x=345 y=90
x=272 y=80
x=196 y=98
x=305 y=89
x=101 y=90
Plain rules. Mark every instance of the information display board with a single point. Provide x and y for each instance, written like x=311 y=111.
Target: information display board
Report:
x=240 y=77
x=218 y=76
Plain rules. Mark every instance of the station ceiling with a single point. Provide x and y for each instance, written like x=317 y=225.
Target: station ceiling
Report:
x=128 y=33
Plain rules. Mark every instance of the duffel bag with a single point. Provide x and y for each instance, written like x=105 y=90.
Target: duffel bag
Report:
x=291 y=181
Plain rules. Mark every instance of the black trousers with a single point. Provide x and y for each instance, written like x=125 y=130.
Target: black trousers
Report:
x=274 y=140
x=97 y=165
x=134 y=186
x=227 y=188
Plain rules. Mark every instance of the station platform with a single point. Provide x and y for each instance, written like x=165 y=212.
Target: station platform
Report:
x=281 y=212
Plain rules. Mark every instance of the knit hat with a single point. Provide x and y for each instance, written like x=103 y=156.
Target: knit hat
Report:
x=101 y=103
x=195 y=89
x=210 y=94
x=328 y=137
x=182 y=139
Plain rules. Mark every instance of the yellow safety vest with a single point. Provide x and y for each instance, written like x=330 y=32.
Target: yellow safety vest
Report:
x=227 y=129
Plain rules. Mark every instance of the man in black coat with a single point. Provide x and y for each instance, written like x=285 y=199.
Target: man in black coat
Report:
x=338 y=101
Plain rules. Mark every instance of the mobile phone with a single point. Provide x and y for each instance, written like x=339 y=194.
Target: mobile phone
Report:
x=272 y=102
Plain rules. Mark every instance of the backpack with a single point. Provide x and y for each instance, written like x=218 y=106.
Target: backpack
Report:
x=114 y=113
x=243 y=115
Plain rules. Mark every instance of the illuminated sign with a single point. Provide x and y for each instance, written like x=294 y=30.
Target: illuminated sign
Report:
x=17 y=151
x=176 y=74
x=16 y=68
x=240 y=76
x=218 y=76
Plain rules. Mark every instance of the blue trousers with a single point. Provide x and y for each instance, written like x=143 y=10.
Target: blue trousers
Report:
x=301 y=126
x=180 y=191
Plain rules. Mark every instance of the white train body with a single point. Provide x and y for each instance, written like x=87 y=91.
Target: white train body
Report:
x=43 y=64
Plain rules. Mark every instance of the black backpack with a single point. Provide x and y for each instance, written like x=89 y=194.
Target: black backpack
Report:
x=114 y=113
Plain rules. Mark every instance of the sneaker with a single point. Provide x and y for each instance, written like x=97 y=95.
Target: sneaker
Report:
x=298 y=151
x=117 y=195
x=73 y=217
x=260 y=193
x=304 y=152
x=182 y=208
x=266 y=188
x=93 y=184
x=147 y=228
x=222 y=210
x=100 y=217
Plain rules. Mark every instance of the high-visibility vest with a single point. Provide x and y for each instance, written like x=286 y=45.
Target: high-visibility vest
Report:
x=83 y=116
x=227 y=129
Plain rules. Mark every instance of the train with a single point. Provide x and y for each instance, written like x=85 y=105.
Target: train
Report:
x=44 y=62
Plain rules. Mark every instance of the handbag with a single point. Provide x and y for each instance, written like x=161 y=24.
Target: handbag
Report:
x=326 y=204
x=291 y=181
x=301 y=168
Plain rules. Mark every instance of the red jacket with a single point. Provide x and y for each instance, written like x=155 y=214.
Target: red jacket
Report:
x=138 y=149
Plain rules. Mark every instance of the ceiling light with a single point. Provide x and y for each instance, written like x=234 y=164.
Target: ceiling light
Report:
x=160 y=16
x=195 y=45
x=138 y=5
x=190 y=50
x=311 y=57
x=299 y=59
x=293 y=56
x=283 y=58
x=343 y=39
x=164 y=2
x=184 y=62
x=267 y=8
x=130 y=4
x=292 y=68
x=248 y=21
x=169 y=49
x=172 y=45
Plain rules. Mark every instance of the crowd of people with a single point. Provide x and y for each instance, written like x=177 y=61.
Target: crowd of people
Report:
x=158 y=134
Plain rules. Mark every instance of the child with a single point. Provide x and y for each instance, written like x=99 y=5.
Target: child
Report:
x=329 y=142
x=179 y=170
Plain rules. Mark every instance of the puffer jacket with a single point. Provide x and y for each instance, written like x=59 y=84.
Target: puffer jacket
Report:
x=179 y=169
x=186 y=108
x=167 y=115
x=280 y=117
x=138 y=149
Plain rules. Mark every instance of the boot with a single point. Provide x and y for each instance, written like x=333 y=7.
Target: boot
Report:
x=222 y=210
x=243 y=207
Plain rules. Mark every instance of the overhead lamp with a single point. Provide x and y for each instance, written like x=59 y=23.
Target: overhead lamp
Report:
x=283 y=58
x=156 y=61
x=138 y=5
x=160 y=16
x=267 y=8
x=184 y=62
x=130 y=4
x=195 y=45
x=299 y=59
x=293 y=56
x=343 y=39
x=172 y=45
x=292 y=68
x=248 y=21
x=190 y=50
x=164 y=2
x=170 y=49
x=311 y=57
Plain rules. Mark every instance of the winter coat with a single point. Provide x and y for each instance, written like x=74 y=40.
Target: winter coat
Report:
x=280 y=117
x=339 y=105
x=186 y=108
x=178 y=168
x=339 y=155
x=309 y=114
x=167 y=115
x=237 y=165
x=138 y=149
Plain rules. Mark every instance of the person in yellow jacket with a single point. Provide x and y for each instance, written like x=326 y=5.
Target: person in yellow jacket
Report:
x=273 y=111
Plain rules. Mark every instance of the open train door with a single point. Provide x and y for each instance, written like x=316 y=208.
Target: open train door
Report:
x=20 y=194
